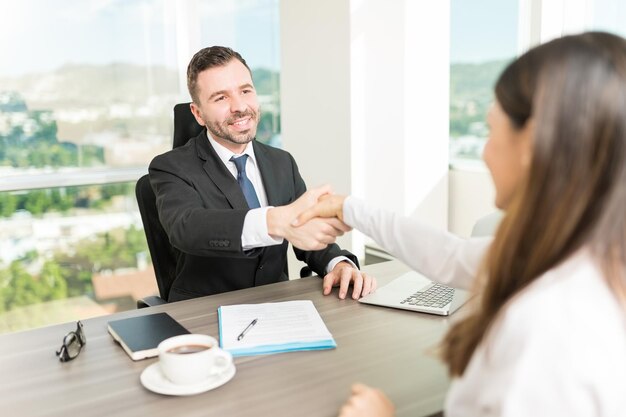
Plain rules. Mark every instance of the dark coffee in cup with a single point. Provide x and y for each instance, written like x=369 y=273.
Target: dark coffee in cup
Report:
x=184 y=349
x=192 y=358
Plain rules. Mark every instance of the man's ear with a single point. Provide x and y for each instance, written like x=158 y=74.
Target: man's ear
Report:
x=196 y=113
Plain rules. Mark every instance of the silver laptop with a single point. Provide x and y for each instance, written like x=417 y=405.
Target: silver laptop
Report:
x=413 y=291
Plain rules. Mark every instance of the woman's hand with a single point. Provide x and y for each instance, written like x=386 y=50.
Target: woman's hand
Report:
x=367 y=402
x=328 y=205
x=315 y=234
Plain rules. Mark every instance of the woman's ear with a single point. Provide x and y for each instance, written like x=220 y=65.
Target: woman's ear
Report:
x=526 y=141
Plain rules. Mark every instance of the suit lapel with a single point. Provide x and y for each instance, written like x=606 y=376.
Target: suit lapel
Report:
x=268 y=175
x=219 y=174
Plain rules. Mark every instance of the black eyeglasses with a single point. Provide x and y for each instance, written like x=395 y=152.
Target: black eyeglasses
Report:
x=73 y=342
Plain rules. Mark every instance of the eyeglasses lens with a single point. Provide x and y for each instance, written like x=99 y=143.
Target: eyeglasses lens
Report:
x=72 y=344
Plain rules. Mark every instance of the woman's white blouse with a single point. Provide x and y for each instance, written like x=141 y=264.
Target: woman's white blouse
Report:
x=558 y=348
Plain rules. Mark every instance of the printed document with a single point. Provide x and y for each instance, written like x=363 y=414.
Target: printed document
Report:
x=279 y=327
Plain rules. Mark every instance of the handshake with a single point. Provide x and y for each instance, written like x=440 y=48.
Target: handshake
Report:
x=312 y=222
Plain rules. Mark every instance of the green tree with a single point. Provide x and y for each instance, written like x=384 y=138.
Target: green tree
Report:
x=113 y=250
x=136 y=239
x=92 y=155
x=36 y=202
x=111 y=190
x=53 y=284
x=471 y=93
x=60 y=200
x=23 y=289
x=8 y=204
x=69 y=275
x=46 y=127
x=266 y=81
x=5 y=289
x=77 y=271
x=269 y=125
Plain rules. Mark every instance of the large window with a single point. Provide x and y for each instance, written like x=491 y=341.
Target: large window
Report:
x=483 y=39
x=70 y=252
x=86 y=96
x=487 y=34
x=609 y=16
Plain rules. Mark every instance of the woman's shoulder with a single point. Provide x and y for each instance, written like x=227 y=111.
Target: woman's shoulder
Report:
x=575 y=288
x=570 y=308
x=561 y=338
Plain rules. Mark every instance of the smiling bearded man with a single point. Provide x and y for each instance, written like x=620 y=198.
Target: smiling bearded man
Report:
x=227 y=201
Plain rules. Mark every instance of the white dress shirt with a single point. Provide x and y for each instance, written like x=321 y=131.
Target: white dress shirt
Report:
x=558 y=348
x=254 y=233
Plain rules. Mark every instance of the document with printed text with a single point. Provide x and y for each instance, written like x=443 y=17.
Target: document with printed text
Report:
x=256 y=329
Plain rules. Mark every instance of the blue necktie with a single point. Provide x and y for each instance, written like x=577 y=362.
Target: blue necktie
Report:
x=244 y=182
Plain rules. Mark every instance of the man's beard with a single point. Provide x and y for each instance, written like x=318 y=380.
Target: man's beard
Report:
x=220 y=130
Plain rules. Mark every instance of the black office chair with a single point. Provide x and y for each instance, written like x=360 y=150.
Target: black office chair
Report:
x=185 y=128
x=164 y=255
x=185 y=125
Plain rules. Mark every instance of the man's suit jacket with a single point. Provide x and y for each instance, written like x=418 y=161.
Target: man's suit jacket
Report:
x=202 y=209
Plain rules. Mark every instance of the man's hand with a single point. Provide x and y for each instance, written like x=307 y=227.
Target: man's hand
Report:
x=367 y=402
x=316 y=234
x=342 y=275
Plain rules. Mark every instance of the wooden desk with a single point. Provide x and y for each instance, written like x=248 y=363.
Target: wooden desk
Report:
x=382 y=347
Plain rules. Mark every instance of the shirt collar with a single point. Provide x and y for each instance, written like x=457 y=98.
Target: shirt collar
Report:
x=225 y=154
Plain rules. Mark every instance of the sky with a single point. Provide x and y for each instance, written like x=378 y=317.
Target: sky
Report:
x=483 y=30
x=42 y=35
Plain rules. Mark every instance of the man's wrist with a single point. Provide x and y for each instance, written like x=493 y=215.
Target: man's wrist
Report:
x=338 y=260
x=255 y=233
x=275 y=222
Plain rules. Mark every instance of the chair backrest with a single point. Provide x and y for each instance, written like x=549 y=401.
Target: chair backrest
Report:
x=487 y=225
x=163 y=254
x=185 y=125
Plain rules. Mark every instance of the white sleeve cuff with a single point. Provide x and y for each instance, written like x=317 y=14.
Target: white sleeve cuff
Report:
x=254 y=233
x=333 y=262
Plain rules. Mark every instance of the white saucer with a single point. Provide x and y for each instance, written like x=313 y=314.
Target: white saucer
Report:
x=153 y=379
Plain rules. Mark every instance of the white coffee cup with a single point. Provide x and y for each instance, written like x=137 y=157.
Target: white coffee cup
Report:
x=192 y=358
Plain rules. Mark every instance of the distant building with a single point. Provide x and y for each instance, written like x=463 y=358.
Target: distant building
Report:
x=124 y=287
x=53 y=232
x=11 y=102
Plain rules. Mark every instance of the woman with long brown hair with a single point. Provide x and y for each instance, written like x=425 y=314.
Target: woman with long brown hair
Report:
x=546 y=334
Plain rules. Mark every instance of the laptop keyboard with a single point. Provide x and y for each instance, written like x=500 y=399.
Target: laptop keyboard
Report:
x=436 y=296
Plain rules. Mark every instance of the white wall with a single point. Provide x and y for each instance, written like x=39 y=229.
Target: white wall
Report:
x=315 y=95
x=471 y=196
x=315 y=90
x=364 y=101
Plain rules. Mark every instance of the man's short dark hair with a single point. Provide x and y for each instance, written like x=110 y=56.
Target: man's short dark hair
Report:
x=213 y=56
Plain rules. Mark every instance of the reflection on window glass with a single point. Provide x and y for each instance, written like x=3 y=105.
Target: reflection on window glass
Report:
x=93 y=83
x=88 y=84
x=252 y=29
x=483 y=40
x=70 y=252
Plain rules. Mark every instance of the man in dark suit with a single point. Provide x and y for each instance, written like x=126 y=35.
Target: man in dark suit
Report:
x=227 y=201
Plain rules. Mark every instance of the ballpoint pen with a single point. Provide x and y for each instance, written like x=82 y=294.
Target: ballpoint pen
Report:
x=242 y=334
